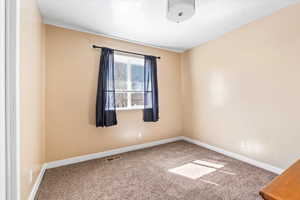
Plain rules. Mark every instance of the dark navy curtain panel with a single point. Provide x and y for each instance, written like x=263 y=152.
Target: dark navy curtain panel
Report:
x=105 y=105
x=151 y=110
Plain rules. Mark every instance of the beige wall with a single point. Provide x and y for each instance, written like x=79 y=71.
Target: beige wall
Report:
x=71 y=79
x=241 y=91
x=32 y=94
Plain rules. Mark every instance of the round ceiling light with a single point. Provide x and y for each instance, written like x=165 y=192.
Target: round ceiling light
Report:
x=180 y=10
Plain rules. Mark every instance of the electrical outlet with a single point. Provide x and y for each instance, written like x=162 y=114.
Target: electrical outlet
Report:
x=30 y=176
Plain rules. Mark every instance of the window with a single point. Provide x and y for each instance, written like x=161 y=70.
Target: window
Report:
x=129 y=82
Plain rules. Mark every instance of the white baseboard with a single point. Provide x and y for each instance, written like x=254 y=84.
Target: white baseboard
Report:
x=92 y=156
x=37 y=183
x=245 y=159
x=87 y=157
x=237 y=156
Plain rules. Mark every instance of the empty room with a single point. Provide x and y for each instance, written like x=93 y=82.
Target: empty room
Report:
x=150 y=100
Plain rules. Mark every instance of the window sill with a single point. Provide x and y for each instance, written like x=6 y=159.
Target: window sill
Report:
x=136 y=108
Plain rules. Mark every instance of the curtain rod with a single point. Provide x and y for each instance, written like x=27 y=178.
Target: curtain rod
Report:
x=97 y=47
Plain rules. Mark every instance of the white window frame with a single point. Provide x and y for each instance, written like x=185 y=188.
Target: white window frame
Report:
x=129 y=60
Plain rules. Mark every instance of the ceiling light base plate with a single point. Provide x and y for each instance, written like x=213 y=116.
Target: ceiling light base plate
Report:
x=180 y=10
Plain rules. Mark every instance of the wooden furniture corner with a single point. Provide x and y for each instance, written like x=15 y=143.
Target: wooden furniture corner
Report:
x=284 y=187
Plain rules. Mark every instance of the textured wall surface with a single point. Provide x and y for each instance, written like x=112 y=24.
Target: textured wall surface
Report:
x=71 y=79
x=32 y=97
x=241 y=91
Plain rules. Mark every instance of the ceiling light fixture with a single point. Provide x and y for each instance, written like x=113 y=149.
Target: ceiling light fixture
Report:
x=180 y=10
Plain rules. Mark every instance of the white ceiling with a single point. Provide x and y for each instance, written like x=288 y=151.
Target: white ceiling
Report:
x=145 y=22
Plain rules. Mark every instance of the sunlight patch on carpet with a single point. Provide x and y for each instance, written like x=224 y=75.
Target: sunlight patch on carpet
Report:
x=192 y=171
x=208 y=164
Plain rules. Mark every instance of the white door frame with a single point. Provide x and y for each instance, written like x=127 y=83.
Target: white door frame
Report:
x=2 y=103
x=10 y=112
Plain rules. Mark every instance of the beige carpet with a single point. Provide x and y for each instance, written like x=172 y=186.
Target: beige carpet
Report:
x=173 y=171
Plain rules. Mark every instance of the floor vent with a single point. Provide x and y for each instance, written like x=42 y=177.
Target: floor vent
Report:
x=111 y=158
